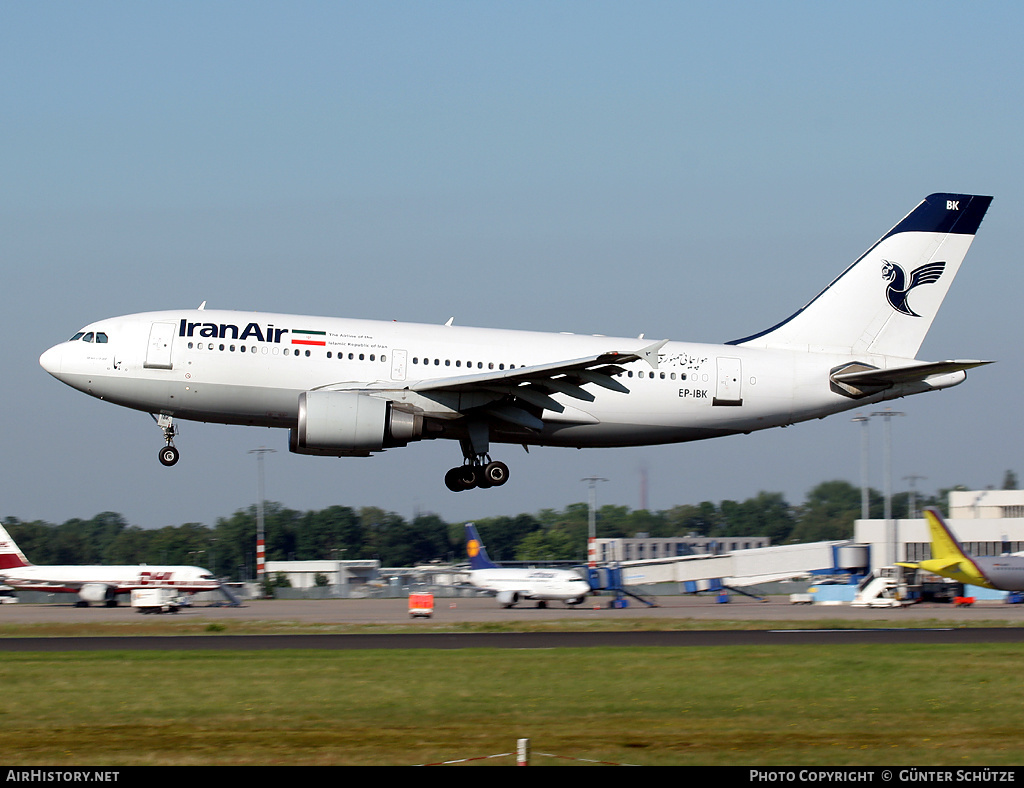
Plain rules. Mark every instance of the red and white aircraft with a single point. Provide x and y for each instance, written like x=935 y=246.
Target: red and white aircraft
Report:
x=97 y=583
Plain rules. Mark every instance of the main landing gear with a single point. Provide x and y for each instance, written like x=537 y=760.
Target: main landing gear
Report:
x=479 y=472
x=168 y=454
x=477 y=469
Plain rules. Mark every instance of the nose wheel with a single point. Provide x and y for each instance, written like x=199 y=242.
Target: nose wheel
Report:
x=168 y=455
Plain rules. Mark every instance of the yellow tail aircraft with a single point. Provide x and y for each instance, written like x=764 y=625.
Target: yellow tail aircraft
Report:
x=1002 y=573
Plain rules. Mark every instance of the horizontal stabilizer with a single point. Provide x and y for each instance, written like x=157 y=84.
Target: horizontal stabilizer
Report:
x=909 y=374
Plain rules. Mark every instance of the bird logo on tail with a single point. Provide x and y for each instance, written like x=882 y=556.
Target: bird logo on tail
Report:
x=898 y=290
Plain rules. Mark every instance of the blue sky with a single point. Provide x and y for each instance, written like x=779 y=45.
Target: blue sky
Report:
x=692 y=171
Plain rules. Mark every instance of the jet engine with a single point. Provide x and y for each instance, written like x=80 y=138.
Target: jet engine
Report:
x=96 y=592
x=349 y=424
x=507 y=598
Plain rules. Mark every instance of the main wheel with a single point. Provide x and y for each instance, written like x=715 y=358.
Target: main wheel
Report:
x=168 y=456
x=496 y=473
x=469 y=476
x=451 y=480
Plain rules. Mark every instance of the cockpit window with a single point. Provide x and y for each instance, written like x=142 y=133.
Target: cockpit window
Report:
x=98 y=336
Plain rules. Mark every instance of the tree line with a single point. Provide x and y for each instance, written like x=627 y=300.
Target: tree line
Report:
x=344 y=533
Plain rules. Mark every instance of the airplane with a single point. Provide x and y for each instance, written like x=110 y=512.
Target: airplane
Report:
x=1001 y=573
x=512 y=585
x=97 y=583
x=350 y=388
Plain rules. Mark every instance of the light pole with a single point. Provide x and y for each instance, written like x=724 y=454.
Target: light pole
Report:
x=260 y=545
x=863 y=421
x=912 y=507
x=887 y=415
x=592 y=520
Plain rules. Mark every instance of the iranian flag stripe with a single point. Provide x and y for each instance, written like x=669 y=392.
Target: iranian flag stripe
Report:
x=303 y=337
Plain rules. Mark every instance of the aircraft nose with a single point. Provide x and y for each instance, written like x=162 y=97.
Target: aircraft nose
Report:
x=50 y=360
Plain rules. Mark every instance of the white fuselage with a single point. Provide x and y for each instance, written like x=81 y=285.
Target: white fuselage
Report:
x=535 y=584
x=122 y=579
x=250 y=368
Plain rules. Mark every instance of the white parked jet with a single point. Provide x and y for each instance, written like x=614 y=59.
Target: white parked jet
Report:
x=352 y=387
x=96 y=583
x=510 y=585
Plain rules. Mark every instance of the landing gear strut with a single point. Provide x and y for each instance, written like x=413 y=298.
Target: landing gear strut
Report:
x=168 y=454
x=477 y=470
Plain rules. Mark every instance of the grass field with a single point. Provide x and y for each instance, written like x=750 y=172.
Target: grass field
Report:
x=781 y=705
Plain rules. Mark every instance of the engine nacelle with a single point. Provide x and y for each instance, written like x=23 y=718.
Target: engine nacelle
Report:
x=507 y=598
x=96 y=592
x=346 y=424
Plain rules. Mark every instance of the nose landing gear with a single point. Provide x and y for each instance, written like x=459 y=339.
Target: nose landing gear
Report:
x=168 y=455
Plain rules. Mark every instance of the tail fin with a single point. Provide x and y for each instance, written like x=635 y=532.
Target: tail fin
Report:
x=10 y=556
x=948 y=557
x=885 y=302
x=476 y=551
x=944 y=545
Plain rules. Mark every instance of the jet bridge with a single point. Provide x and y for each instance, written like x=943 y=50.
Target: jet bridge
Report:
x=736 y=569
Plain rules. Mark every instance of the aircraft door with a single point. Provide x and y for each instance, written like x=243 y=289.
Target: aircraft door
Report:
x=399 y=358
x=158 y=351
x=728 y=389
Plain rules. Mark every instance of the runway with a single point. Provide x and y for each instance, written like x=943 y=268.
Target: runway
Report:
x=515 y=640
x=749 y=625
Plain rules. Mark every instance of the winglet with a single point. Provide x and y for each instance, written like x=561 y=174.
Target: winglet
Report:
x=650 y=353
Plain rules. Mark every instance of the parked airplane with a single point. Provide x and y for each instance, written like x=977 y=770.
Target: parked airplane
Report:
x=1003 y=572
x=512 y=585
x=352 y=387
x=96 y=583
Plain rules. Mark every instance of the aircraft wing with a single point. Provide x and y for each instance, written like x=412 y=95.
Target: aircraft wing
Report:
x=515 y=395
x=561 y=376
x=912 y=373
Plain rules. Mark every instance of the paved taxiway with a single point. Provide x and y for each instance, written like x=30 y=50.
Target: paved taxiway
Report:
x=486 y=609
x=946 y=624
